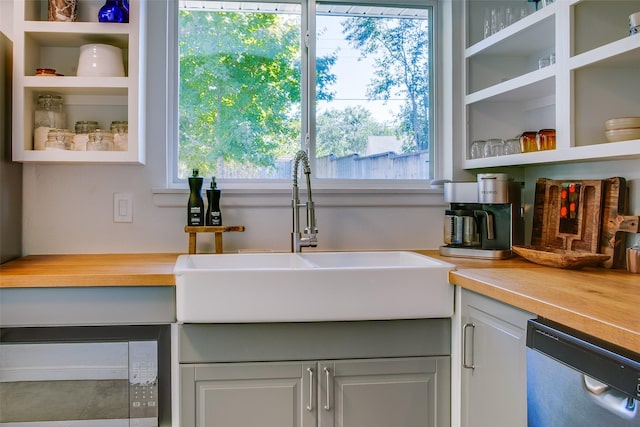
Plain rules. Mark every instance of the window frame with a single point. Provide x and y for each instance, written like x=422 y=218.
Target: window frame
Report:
x=326 y=185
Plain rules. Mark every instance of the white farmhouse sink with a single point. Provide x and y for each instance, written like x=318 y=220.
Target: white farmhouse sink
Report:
x=311 y=286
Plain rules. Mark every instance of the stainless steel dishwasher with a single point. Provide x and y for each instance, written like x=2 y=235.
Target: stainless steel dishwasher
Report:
x=575 y=380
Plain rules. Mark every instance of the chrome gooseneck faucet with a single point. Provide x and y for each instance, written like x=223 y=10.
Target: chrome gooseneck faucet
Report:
x=308 y=238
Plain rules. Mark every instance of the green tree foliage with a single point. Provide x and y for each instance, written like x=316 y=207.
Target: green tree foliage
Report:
x=345 y=132
x=239 y=89
x=400 y=50
x=324 y=77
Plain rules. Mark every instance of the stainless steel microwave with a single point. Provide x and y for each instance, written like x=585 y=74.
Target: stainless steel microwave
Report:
x=106 y=382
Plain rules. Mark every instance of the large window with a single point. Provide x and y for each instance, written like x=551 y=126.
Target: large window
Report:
x=259 y=81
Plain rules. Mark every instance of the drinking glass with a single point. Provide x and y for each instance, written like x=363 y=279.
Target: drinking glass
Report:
x=544 y=62
x=494 y=147
x=523 y=12
x=494 y=21
x=512 y=146
x=501 y=19
x=509 y=16
x=486 y=25
x=477 y=149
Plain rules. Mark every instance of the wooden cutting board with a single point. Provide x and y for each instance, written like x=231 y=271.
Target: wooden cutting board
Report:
x=615 y=225
x=601 y=227
x=567 y=214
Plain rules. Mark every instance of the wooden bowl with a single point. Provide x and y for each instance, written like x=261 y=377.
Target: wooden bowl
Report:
x=559 y=258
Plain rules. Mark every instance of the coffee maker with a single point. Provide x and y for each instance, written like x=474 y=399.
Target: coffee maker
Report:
x=484 y=218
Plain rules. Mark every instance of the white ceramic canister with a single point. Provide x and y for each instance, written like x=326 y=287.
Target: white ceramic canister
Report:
x=100 y=60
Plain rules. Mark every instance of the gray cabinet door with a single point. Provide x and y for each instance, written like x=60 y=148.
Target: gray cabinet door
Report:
x=494 y=379
x=247 y=395
x=405 y=392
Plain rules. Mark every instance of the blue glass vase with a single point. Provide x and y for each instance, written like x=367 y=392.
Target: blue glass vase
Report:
x=113 y=11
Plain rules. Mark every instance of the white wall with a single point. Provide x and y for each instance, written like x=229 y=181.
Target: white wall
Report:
x=6 y=17
x=69 y=208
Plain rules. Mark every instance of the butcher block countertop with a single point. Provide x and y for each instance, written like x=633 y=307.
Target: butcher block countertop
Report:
x=597 y=301
x=600 y=302
x=46 y=271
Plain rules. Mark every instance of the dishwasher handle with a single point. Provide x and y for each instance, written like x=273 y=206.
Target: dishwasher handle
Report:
x=610 y=399
x=611 y=365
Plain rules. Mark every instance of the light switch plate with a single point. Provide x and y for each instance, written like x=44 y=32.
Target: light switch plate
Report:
x=122 y=207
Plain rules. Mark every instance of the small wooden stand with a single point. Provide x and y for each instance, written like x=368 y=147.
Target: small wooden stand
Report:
x=217 y=229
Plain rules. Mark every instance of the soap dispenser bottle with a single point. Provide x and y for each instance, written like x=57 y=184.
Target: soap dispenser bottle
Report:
x=195 y=207
x=214 y=216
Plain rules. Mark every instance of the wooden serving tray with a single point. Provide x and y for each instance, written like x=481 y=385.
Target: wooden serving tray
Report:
x=559 y=258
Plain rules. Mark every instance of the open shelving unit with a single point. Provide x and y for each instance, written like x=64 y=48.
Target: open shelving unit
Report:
x=40 y=43
x=594 y=78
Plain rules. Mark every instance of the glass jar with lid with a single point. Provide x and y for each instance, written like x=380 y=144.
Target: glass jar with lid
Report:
x=100 y=140
x=120 y=130
x=546 y=139
x=59 y=139
x=49 y=114
x=83 y=129
x=528 y=142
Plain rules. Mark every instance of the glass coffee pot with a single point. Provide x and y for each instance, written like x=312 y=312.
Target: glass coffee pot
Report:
x=460 y=228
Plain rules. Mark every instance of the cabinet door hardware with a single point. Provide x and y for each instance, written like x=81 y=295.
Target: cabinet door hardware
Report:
x=327 y=376
x=310 y=404
x=464 y=346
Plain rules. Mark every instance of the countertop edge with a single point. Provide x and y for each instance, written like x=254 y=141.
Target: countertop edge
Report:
x=71 y=281
x=580 y=320
x=599 y=302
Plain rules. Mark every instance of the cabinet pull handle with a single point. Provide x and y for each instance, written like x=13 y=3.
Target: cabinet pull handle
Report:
x=327 y=375
x=464 y=346
x=310 y=404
